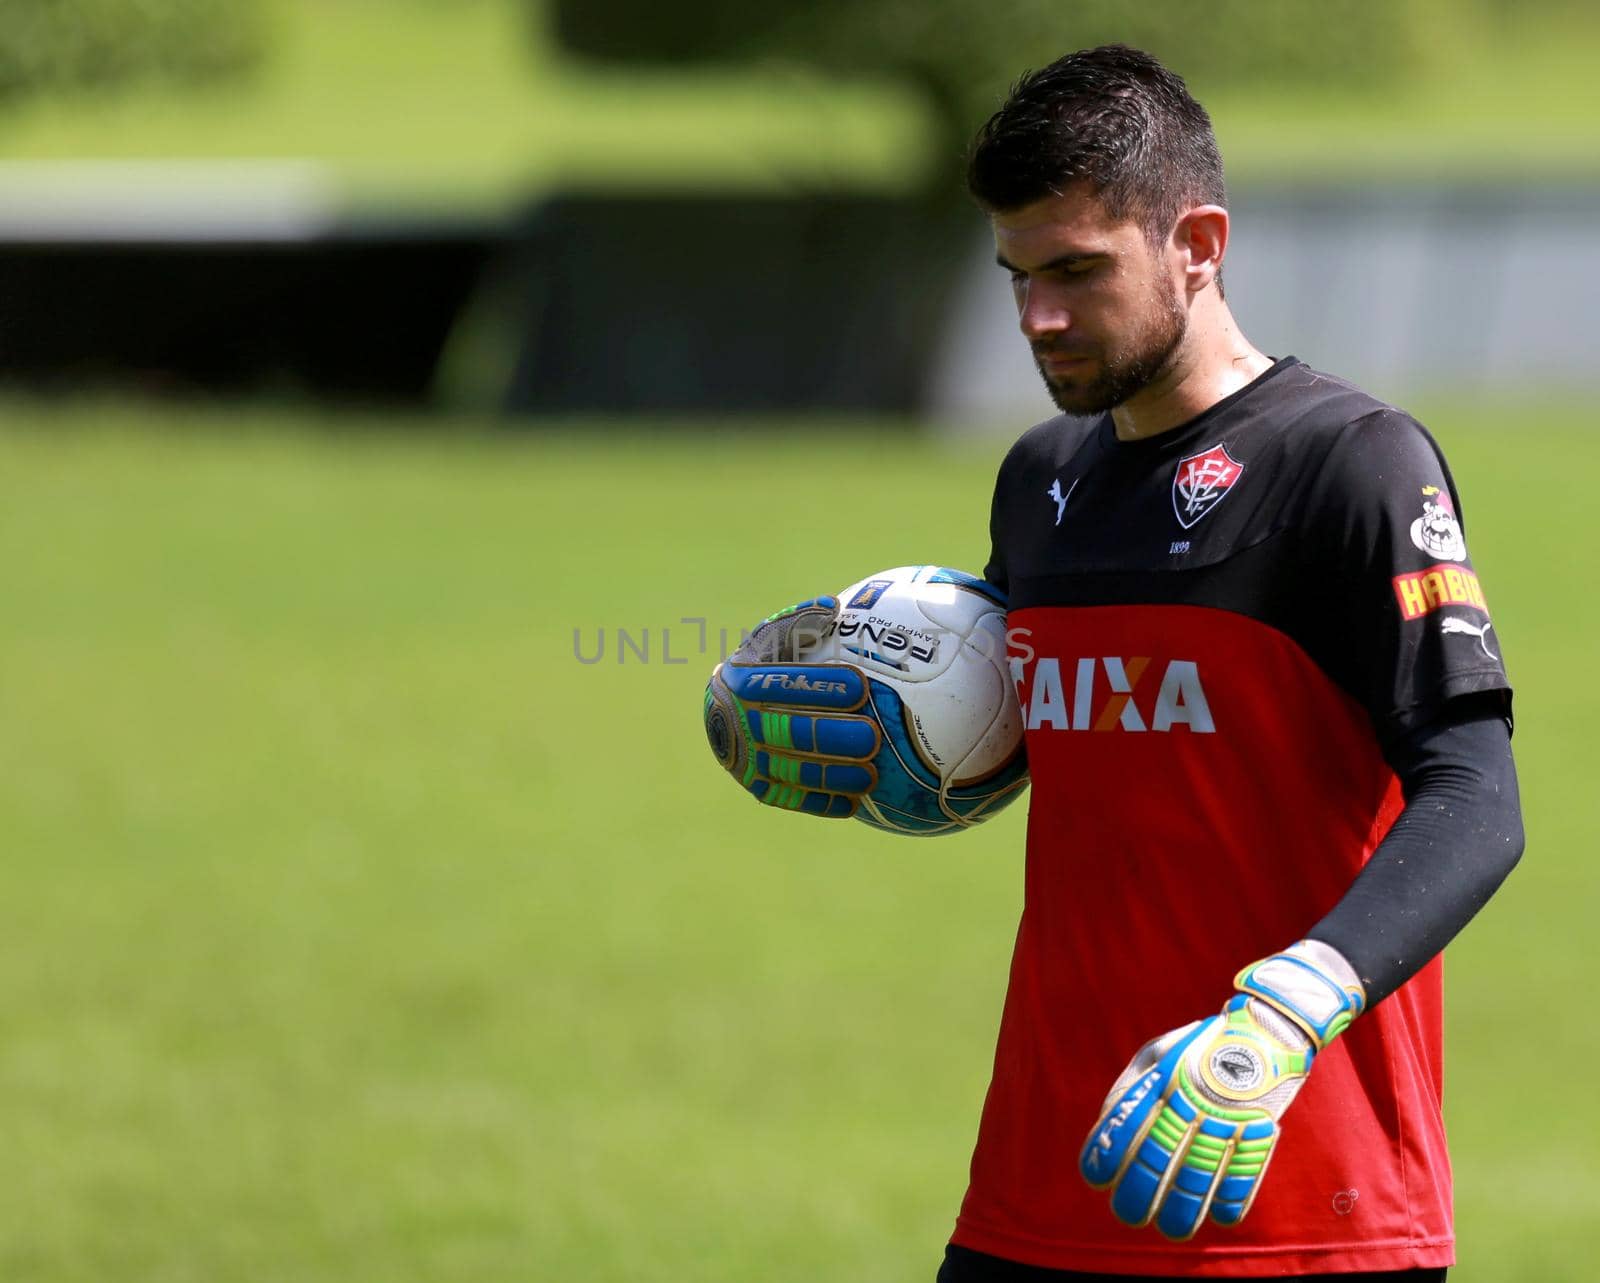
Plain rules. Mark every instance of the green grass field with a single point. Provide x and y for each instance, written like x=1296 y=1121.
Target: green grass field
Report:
x=353 y=930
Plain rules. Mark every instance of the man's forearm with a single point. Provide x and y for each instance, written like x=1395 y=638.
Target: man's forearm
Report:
x=1458 y=837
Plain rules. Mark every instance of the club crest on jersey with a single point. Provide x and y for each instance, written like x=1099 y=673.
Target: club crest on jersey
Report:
x=1202 y=482
x=1437 y=532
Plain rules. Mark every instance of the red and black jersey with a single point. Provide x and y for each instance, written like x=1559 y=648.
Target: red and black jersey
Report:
x=1214 y=633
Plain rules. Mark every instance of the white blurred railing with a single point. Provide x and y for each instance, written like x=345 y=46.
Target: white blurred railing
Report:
x=1495 y=288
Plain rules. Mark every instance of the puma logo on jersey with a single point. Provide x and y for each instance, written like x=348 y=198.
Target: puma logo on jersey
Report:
x=1452 y=624
x=1111 y=694
x=1061 y=499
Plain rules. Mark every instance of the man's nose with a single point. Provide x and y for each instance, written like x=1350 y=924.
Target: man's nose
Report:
x=1041 y=311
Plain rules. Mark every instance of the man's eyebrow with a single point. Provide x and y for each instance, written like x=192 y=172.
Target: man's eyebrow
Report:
x=1059 y=263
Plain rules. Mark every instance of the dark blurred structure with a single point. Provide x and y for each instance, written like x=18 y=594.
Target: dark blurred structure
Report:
x=677 y=303
x=352 y=314
x=745 y=303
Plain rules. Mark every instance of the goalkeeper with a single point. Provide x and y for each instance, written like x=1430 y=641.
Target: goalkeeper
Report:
x=1248 y=899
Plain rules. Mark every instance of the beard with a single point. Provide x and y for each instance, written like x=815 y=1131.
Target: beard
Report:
x=1127 y=370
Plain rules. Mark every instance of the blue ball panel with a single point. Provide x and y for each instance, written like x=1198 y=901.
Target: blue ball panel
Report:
x=961 y=579
x=907 y=793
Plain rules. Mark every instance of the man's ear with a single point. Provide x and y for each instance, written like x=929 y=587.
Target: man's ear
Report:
x=1201 y=236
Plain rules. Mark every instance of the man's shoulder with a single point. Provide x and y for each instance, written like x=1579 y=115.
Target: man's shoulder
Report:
x=1312 y=401
x=1310 y=419
x=1366 y=428
x=1051 y=441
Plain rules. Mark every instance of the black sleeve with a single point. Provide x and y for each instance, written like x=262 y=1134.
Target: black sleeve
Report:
x=1386 y=527
x=995 y=571
x=1458 y=837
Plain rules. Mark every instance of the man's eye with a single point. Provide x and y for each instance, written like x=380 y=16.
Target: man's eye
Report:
x=1018 y=278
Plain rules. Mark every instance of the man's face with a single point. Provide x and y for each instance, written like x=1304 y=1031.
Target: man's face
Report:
x=1098 y=305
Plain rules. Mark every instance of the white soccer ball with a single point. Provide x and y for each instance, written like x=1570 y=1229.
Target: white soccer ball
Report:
x=932 y=644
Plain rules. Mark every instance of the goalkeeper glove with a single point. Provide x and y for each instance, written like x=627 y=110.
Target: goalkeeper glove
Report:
x=1190 y=1126
x=787 y=730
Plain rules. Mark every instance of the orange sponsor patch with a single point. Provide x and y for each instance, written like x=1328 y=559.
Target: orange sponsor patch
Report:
x=1423 y=591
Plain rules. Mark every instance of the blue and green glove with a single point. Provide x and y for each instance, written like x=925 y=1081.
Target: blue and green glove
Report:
x=1190 y=1126
x=788 y=730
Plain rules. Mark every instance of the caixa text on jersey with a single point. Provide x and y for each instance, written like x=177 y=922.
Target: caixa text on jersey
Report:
x=1111 y=693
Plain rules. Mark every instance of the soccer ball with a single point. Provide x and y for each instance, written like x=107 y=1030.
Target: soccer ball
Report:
x=932 y=644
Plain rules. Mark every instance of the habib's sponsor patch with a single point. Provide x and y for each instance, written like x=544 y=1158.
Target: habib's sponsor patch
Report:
x=1420 y=592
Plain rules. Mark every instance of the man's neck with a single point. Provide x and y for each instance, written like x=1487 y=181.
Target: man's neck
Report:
x=1214 y=361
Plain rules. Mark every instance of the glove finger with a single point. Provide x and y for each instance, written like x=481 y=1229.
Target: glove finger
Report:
x=1241 y=1178
x=825 y=686
x=1196 y=1172
x=1112 y=1142
x=807 y=773
x=849 y=738
x=853 y=738
x=784 y=638
x=1149 y=1165
x=1114 y=1138
x=790 y=797
x=830 y=806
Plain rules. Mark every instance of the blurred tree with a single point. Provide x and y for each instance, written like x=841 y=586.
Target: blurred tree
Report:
x=76 y=45
x=964 y=54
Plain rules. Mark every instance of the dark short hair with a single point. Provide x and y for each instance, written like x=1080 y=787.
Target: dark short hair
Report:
x=1113 y=117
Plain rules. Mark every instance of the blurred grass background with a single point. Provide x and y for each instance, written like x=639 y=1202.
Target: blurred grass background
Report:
x=355 y=929
x=465 y=104
x=471 y=104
